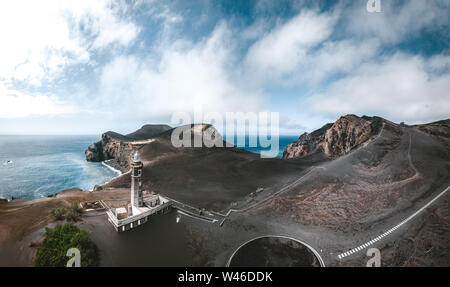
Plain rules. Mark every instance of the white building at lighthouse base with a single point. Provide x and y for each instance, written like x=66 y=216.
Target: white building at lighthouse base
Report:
x=123 y=219
x=140 y=208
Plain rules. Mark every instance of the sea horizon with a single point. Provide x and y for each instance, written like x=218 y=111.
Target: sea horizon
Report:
x=36 y=166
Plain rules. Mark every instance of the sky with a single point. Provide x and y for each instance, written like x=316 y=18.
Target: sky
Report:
x=86 y=67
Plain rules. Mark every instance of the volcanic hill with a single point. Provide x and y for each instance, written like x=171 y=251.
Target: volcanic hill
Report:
x=335 y=188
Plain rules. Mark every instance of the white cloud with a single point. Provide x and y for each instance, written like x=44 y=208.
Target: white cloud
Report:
x=40 y=38
x=168 y=16
x=301 y=51
x=256 y=30
x=303 y=55
x=335 y=57
x=17 y=104
x=313 y=47
x=184 y=77
x=397 y=22
x=399 y=88
x=286 y=46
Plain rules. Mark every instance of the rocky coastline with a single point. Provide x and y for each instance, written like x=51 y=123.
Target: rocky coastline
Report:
x=117 y=147
x=335 y=139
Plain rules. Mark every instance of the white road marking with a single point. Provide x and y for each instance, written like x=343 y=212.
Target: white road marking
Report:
x=354 y=250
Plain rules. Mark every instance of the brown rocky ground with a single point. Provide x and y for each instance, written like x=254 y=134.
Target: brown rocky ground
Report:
x=21 y=218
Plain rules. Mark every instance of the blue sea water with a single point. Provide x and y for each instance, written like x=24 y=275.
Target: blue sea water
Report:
x=43 y=165
x=283 y=142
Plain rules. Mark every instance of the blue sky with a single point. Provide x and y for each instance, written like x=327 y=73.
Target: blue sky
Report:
x=84 y=67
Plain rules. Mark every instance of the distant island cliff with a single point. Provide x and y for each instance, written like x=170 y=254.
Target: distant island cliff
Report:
x=119 y=147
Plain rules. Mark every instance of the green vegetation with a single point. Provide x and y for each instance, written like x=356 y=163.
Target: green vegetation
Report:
x=58 y=240
x=71 y=213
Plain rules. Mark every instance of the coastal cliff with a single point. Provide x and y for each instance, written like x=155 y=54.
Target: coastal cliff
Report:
x=119 y=147
x=335 y=139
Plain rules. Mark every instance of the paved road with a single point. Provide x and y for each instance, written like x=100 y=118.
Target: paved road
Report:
x=369 y=243
x=391 y=230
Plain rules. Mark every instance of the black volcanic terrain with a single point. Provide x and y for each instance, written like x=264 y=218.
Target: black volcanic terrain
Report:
x=353 y=185
x=211 y=178
x=336 y=188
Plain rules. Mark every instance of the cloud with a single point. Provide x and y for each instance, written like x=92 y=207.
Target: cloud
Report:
x=280 y=51
x=185 y=76
x=344 y=60
x=168 y=16
x=314 y=46
x=400 y=88
x=398 y=20
x=302 y=50
x=335 y=57
x=41 y=38
x=17 y=104
x=290 y=124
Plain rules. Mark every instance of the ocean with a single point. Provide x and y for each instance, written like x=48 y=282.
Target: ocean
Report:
x=43 y=165
x=283 y=142
x=38 y=166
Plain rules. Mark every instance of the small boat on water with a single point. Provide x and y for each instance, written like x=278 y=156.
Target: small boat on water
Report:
x=8 y=162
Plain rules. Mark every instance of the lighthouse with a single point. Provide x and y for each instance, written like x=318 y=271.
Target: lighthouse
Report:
x=138 y=211
x=136 y=181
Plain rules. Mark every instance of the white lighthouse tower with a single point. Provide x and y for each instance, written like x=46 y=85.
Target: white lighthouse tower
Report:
x=136 y=181
x=138 y=211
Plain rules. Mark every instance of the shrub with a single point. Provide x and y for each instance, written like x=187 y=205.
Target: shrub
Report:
x=58 y=240
x=71 y=213
x=58 y=213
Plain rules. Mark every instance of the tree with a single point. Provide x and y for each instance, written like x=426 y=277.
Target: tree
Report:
x=58 y=240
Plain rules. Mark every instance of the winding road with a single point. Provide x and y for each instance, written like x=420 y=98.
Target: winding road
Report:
x=378 y=238
x=391 y=230
x=297 y=181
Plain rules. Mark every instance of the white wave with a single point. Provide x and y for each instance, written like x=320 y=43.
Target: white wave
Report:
x=119 y=173
x=112 y=168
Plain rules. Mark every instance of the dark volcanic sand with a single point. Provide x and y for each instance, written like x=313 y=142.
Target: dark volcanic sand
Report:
x=338 y=205
x=212 y=178
x=159 y=242
x=274 y=252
